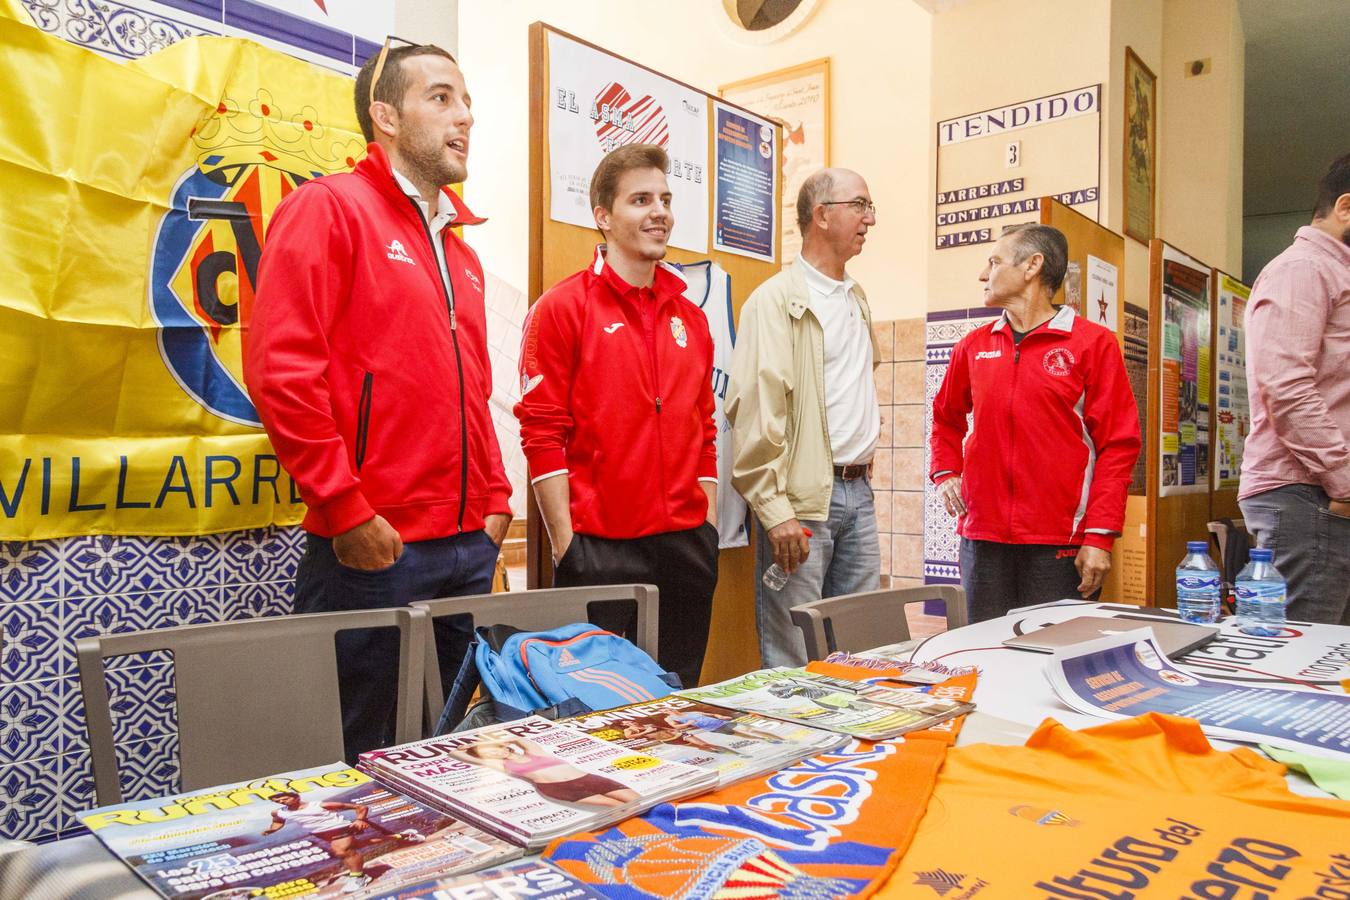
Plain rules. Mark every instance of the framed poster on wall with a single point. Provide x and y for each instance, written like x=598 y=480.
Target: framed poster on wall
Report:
x=1141 y=147
x=799 y=99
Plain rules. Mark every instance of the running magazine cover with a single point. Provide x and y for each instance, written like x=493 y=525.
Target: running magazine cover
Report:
x=326 y=832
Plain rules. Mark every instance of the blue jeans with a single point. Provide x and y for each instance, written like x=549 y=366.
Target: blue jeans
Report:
x=1311 y=546
x=458 y=566
x=845 y=558
x=999 y=577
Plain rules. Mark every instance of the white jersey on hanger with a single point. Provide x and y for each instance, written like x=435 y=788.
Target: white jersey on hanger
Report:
x=709 y=288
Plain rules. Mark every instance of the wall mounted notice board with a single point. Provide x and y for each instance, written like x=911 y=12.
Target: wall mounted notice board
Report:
x=633 y=103
x=1179 y=437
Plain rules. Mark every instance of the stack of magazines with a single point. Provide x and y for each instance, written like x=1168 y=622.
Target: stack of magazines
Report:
x=329 y=831
x=532 y=878
x=857 y=709
x=734 y=745
x=532 y=780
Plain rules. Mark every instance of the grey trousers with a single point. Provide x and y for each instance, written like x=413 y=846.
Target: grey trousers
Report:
x=1312 y=549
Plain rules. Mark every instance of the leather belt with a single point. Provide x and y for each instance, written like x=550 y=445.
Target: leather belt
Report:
x=854 y=471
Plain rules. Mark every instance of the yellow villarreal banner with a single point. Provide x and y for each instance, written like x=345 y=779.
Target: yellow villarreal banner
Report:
x=136 y=201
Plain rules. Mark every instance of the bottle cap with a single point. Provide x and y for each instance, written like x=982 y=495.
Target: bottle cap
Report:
x=1197 y=546
x=1262 y=554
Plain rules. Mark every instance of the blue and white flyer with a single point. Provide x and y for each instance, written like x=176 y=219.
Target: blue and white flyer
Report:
x=1124 y=675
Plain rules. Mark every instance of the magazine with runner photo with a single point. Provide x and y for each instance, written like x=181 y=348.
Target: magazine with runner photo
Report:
x=733 y=744
x=330 y=831
x=531 y=780
x=830 y=703
x=531 y=878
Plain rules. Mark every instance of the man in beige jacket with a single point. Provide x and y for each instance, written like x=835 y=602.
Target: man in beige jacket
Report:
x=804 y=415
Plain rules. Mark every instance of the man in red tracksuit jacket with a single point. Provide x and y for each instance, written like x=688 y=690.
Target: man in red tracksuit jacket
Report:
x=616 y=415
x=1040 y=483
x=366 y=357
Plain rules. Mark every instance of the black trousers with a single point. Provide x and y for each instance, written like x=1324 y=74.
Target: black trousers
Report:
x=999 y=577
x=682 y=565
x=456 y=566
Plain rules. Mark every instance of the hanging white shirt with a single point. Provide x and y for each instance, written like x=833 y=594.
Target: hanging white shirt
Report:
x=851 y=410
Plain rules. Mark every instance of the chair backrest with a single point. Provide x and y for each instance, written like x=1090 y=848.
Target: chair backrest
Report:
x=1230 y=535
x=254 y=697
x=854 y=622
x=538 y=610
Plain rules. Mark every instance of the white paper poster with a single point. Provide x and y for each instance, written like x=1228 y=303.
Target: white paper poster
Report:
x=1100 y=303
x=1234 y=417
x=598 y=102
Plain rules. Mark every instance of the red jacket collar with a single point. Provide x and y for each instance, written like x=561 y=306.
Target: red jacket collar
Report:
x=375 y=168
x=665 y=284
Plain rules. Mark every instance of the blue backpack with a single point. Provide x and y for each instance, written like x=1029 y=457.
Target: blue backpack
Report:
x=567 y=671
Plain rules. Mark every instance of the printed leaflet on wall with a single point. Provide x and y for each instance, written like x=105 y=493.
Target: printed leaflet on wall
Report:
x=744 y=213
x=598 y=102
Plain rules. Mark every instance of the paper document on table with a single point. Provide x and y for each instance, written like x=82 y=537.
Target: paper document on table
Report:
x=1124 y=675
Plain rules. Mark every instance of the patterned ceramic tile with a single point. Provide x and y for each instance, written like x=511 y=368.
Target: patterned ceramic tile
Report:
x=120 y=613
x=30 y=642
x=98 y=565
x=148 y=768
x=260 y=554
x=117 y=30
x=248 y=601
x=33 y=720
x=30 y=570
x=30 y=799
x=77 y=792
x=143 y=704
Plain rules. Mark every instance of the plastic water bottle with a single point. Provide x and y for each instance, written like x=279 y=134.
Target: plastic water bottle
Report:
x=1199 y=585
x=1260 y=596
x=775 y=576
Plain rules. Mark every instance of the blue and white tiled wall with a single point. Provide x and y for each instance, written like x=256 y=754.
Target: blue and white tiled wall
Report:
x=941 y=560
x=56 y=591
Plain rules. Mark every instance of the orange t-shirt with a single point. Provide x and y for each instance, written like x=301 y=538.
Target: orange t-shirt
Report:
x=1139 y=808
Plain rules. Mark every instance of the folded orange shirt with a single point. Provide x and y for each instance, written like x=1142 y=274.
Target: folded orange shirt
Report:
x=1139 y=808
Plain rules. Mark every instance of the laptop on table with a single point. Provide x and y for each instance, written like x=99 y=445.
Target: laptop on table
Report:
x=1172 y=637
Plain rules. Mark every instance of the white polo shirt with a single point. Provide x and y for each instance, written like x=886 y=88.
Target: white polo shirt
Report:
x=851 y=409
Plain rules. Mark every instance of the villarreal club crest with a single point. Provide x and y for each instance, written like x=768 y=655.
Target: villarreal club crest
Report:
x=204 y=267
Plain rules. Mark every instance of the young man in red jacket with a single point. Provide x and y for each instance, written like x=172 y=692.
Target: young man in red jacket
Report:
x=1040 y=485
x=616 y=414
x=366 y=356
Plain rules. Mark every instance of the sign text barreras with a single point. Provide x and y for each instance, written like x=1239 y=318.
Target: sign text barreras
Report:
x=134 y=255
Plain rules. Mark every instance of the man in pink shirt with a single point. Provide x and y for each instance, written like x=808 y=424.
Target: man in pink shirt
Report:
x=1295 y=493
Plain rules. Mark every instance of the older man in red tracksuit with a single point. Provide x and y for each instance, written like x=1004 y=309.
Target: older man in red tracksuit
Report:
x=616 y=414
x=1040 y=484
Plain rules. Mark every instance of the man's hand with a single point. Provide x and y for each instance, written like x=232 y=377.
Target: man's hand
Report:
x=790 y=545
x=950 y=494
x=1339 y=508
x=1092 y=564
x=496 y=526
x=370 y=546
